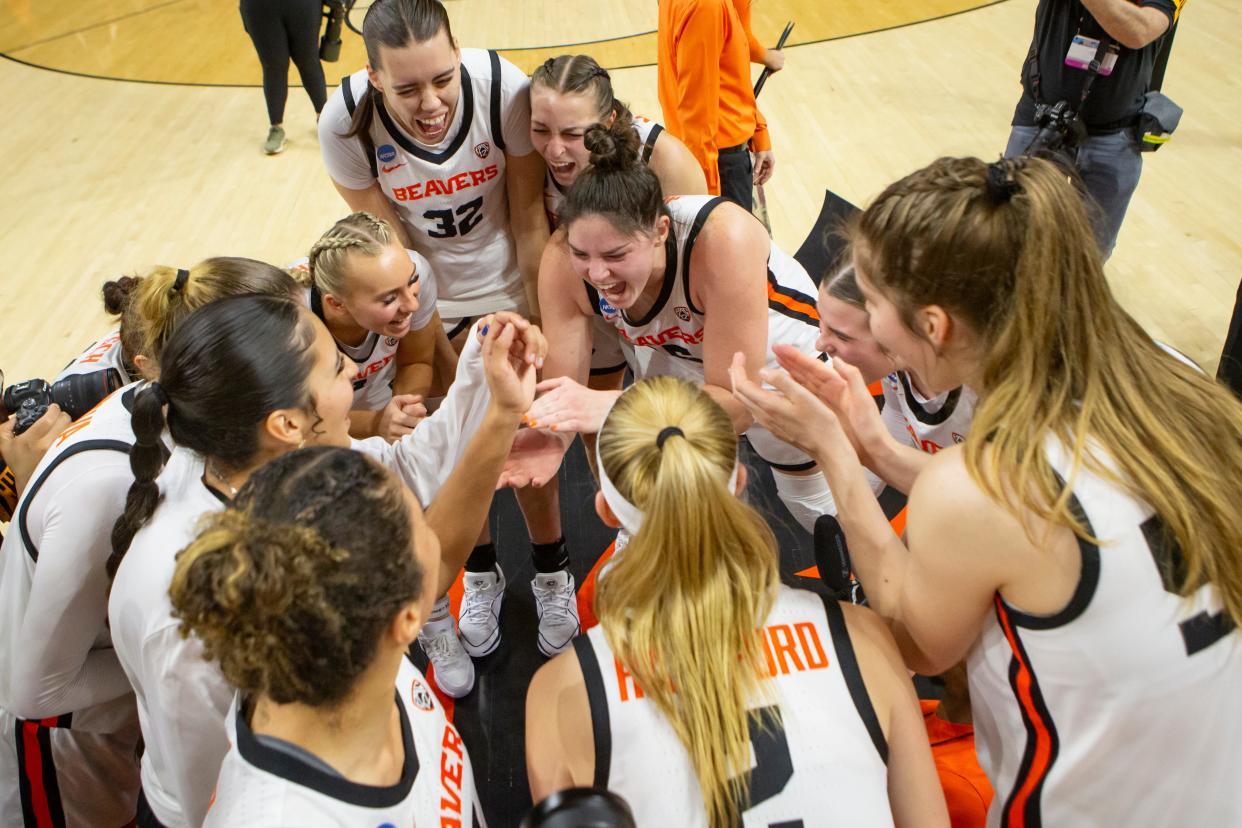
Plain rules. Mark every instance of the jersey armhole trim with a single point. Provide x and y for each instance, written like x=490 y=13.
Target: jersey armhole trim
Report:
x=597 y=700
x=649 y=144
x=696 y=227
x=1088 y=580
x=33 y=488
x=790 y=302
x=853 y=675
x=593 y=298
x=498 y=135
x=347 y=94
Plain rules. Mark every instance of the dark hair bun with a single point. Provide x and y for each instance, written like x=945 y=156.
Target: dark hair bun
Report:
x=612 y=148
x=117 y=293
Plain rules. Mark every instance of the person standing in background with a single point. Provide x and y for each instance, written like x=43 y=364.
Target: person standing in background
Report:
x=707 y=100
x=280 y=30
x=1126 y=36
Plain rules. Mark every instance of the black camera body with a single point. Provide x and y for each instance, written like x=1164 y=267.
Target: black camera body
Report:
x=1060 y=129
x=77 y=394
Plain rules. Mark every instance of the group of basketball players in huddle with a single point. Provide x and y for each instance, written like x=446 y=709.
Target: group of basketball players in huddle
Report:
x=221 y=568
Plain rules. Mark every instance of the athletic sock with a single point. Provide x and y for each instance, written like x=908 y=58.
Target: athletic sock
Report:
x=482 y=558
x=441 y=612
x=550 y=557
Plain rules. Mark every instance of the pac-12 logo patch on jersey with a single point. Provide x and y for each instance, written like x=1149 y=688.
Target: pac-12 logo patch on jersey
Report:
x=386 y=153
x=683 y=313
x=421 y=696
x=483 y=150
x=607 y=310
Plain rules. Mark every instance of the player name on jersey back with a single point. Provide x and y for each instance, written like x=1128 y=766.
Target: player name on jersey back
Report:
x=787 y=648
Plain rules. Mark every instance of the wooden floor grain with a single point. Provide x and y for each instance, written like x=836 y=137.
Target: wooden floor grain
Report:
x=107 y=177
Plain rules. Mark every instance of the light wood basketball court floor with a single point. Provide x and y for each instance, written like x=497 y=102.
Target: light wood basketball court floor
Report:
x=132 y=129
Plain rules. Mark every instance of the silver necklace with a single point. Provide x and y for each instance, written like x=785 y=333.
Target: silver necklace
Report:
x=215 y=471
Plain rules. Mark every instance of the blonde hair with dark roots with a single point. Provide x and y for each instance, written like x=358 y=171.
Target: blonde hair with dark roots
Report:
x=681 y=607
x=1017 y=260
x=156 y=309
x=292 y=587
x=360 y=233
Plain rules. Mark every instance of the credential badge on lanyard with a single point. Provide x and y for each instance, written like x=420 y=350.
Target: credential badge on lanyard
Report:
x=1083 y=50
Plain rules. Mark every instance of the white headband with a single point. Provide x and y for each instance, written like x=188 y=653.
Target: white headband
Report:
x=631 y=516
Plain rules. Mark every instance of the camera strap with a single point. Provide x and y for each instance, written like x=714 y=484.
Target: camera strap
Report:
x=1093 y=69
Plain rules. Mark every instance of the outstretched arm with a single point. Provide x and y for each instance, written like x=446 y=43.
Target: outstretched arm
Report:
x=512 y=350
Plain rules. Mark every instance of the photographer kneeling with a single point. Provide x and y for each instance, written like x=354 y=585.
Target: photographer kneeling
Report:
x=1092 y=114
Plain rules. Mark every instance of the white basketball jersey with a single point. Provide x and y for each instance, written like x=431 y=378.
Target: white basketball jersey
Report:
x=263 y=785
x=668 y=339
x=825 y=764
x=76 y=761
x=182 y=697
x=102 y=354
x=95 y=446
x=376 y=355
x=553 y=193
x=452 y=197
x=927 y=424
x=1122 y=708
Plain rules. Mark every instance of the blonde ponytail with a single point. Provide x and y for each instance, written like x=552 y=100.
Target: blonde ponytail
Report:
x=159 y=303
x=682 y=605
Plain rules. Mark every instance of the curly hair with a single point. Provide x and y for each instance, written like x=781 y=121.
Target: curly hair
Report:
x=291 y=589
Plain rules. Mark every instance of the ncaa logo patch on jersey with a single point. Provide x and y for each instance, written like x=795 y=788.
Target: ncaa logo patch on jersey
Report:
x=483 y=150
x=607 y=310
x=683 y=313
x=390 y=341
x=386 y=153
x=421 y=696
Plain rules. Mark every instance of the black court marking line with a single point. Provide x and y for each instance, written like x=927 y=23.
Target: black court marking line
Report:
x=894 y=27
x=72 y=73
x=786 y=46
x=93 y=26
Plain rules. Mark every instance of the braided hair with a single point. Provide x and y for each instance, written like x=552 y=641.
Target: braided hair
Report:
x=360 y=233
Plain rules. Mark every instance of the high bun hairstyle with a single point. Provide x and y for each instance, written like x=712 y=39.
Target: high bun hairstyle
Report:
x=118 y=301
x=616 y=185
x=681 y=606
x=581 y=75
x=292 y=587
